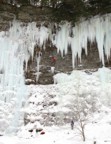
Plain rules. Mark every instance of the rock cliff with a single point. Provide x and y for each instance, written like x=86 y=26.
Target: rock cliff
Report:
x=51 y=61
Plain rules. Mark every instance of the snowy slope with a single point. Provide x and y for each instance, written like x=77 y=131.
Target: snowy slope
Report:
x=51 y=108
x=57 y=103
x=99 y=132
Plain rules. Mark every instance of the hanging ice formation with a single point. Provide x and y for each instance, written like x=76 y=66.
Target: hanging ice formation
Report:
x=97 y=28
x=17 y=46
x=38 y=58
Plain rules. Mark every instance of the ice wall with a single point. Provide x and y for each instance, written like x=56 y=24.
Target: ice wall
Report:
x=17 y=46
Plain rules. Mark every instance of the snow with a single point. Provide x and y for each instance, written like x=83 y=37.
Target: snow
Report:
x=89 y=88
x=72 y=95
x=59 y=135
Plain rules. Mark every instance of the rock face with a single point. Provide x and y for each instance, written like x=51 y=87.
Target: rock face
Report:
x=48 y=67
x=51 y=61
x=25 y=13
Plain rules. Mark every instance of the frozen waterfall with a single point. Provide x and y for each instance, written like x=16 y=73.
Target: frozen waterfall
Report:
x=17 y=46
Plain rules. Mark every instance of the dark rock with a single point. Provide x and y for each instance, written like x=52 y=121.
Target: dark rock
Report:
x=7 y=15
x=53 y=103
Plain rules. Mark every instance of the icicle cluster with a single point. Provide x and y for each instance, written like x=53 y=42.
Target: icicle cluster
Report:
x=97 y=28
x=17 y=46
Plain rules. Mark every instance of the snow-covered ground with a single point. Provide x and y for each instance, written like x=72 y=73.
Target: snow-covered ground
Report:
x=51 y=108
x=99 y=132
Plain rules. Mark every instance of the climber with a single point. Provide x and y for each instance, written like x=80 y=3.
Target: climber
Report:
x=53 y=59
x=39 y=130
x=42 y=133
x=53 y=55
x=72 y=124
x=31 y=132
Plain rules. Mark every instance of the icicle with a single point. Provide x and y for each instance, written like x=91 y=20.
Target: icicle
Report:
x=107 y=42
x=100 y=38
x=61 y=38
x=43 y=36
x=52 y=69
x=38 y=65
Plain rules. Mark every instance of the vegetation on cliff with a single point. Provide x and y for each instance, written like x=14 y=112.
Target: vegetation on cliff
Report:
x=71 y=10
